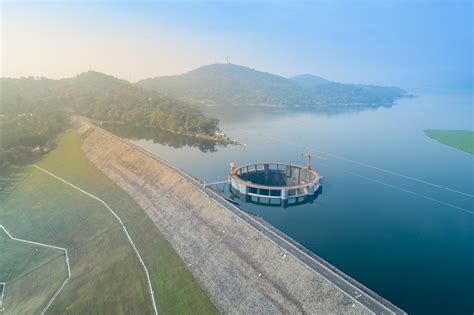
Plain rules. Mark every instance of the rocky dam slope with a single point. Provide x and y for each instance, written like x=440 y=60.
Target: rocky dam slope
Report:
x=242 y=271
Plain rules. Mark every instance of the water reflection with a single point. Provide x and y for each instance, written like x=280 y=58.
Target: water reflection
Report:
x=237 y=114
x=161 y=136
x=237 y=197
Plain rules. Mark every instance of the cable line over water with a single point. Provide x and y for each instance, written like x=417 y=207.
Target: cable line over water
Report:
x=399 y=174
x=365 y=165
x=408 y=191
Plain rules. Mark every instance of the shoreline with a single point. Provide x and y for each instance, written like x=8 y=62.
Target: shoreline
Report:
x=222 y=140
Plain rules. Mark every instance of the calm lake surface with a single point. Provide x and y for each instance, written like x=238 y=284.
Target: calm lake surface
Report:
x=410 y=242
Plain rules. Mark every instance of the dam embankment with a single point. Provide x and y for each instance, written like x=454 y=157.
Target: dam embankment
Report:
x=242 y=270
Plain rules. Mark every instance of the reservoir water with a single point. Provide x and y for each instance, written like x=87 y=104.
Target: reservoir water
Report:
x=396 y=209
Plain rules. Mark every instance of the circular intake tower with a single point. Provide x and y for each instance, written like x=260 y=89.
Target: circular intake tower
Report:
x=274 y=180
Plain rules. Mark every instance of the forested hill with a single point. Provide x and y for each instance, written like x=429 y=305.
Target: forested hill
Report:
x=228 y=84
x=34 y=110
x=103 y=97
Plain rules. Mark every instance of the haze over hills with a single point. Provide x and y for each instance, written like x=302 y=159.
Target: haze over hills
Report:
x=309 y=80
x=34 y=110
x=228 y=84
x=103 y=97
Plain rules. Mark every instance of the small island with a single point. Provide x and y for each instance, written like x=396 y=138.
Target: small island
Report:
x=459 y=139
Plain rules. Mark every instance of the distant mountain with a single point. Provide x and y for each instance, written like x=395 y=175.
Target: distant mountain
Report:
x=309 y=80
x=228 y=84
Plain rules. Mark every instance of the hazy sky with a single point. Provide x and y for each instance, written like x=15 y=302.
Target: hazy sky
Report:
x=403 y=43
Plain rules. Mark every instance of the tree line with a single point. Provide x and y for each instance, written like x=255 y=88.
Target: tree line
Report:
x=26 y=136
x=34 y=110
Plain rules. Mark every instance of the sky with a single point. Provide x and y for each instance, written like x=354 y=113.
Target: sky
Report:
x=403 y=43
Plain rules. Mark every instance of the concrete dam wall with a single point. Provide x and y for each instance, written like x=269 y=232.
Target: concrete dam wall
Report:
x=242 y=271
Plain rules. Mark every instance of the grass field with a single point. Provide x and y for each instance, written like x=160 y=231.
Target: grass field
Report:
x=32 y=275
x=459 y=139
x=106 y=275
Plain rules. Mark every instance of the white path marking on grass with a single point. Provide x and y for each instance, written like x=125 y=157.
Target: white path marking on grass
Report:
x=121 y=223
x=3 y=285
x=44 y=245
x=3 y=288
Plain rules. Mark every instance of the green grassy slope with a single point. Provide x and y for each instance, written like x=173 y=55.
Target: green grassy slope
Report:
x=459 y=139
x=106 y=275
x=32 y=275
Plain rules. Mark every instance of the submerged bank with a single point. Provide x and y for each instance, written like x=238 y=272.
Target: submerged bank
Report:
x=458 y=139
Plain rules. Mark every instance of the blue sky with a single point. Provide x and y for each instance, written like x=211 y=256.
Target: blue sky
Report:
x=414 y=43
